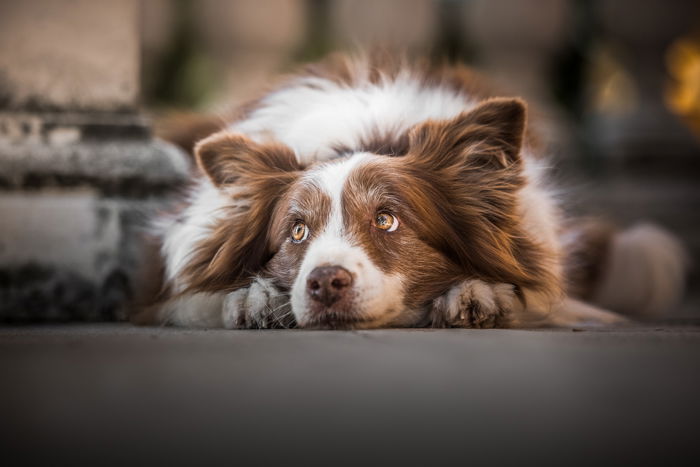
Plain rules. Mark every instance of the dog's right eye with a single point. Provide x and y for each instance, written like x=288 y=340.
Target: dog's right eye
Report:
x=299 y=232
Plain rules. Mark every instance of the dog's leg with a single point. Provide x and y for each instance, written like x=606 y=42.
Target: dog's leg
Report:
x=475 y=304
x=258 y=306
x=197 y=310
x=478 y=304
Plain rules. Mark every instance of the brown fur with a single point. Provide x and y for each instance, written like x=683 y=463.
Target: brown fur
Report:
x=302 y=202
x=385 y=144
x=471 y=171
x=408 y=251
x=455 y=192
x=586 y=255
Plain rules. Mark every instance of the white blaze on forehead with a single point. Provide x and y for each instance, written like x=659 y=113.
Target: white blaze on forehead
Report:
x=331 y=178
x=376 y=293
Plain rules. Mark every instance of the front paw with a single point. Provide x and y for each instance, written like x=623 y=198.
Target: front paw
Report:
x=475 y=304
x=259 y=306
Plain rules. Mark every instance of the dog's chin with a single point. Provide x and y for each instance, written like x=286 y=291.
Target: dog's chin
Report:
x=330 y=318
x=344 y=320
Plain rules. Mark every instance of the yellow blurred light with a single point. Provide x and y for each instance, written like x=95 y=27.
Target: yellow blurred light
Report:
x=683 y=90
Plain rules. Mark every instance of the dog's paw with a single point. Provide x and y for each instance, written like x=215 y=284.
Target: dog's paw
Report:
x=259 y=306
x=475 y=304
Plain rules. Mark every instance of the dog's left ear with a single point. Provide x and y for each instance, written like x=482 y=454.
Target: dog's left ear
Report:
x=469 y=169
x=489 y=136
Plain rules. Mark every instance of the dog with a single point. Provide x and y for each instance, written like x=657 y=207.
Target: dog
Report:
x=364 y=192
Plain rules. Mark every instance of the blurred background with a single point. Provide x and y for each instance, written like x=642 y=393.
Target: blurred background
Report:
x=614 y=88
x=85 y=85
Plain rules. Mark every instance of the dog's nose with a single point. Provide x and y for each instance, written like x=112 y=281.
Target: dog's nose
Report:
x=328 y=284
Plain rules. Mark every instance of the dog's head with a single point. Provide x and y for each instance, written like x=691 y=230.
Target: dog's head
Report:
x=368 y=240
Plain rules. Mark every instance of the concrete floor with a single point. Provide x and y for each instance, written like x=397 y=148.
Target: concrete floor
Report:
x=116 y=394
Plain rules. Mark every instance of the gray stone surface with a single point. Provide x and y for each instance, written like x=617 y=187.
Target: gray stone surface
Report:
x=116 y=394
x=76 y=192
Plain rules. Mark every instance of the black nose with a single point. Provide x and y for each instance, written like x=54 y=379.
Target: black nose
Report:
x=328 y=284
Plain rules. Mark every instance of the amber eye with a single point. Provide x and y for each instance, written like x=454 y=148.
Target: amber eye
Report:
x=386 y=221
x=299 y=232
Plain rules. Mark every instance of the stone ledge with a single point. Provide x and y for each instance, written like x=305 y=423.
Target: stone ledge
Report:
x=115 y=166
x=60 y=128
x=111 y=151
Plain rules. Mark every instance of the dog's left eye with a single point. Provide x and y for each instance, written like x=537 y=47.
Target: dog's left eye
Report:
x=299 y=232
x=386 y=221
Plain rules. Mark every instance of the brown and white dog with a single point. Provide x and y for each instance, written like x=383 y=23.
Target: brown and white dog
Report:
x=360 y=194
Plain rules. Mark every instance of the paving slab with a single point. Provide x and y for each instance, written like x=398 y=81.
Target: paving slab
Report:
x=115 y=394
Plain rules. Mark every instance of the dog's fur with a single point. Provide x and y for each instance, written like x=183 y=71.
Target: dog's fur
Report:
x=477 y=240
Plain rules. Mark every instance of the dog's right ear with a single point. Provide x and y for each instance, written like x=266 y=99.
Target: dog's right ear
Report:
x=230 y=158
x=238 y=244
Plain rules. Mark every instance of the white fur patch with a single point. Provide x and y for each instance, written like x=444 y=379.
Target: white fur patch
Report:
x=315 y=114
x=183 y=233
x=331 y=178
x=199 y=310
